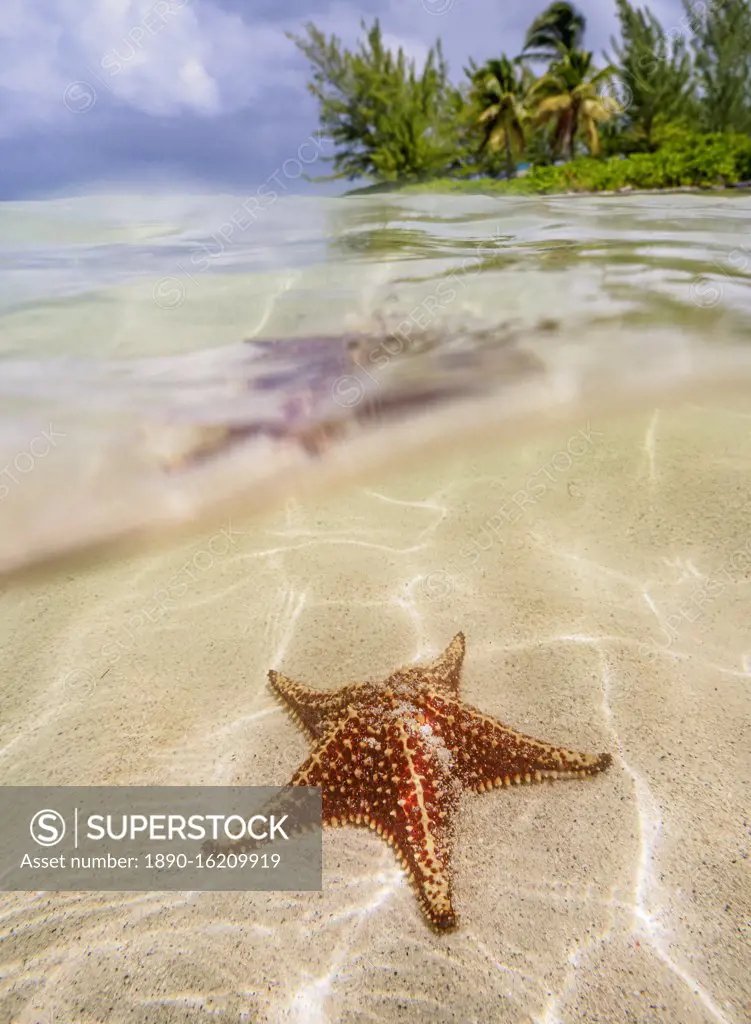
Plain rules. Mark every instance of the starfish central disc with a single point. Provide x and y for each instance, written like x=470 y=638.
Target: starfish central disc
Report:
x=396 y=757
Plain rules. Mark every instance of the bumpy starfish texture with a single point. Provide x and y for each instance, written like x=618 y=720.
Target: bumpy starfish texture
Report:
x=396 y=756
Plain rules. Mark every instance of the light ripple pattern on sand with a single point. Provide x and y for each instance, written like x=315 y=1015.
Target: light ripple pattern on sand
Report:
x=626 y=899
x=561 y=889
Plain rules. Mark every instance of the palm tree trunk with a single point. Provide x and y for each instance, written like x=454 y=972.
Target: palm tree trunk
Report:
x=571 y=132
x=510 y=166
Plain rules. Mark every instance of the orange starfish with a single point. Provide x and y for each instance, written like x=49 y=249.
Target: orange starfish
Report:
x=396 y=757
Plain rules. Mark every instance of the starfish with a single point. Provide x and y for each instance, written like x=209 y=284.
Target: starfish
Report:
x=396 y=756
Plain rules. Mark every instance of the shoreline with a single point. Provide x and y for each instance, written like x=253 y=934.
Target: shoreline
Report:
x=493 y=186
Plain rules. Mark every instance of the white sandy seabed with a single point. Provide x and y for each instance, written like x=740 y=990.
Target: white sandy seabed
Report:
x=600 y=570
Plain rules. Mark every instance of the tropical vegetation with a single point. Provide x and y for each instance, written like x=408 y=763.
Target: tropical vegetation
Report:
x=664 y=108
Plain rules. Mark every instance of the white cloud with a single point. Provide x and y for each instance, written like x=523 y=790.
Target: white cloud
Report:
x=414 y=49
x=159 y=56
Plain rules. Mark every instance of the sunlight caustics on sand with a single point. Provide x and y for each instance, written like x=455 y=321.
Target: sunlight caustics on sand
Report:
x=598 y=560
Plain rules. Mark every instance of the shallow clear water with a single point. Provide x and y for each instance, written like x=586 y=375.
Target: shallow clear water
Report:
x=529 y=420
x=126 y=326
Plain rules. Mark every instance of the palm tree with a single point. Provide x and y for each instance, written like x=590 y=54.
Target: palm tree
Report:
x=568 y=95
x=554 y=33
x=498 y=92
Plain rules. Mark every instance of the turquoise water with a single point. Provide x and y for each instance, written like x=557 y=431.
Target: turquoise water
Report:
x=125 y=324
x=526 y=419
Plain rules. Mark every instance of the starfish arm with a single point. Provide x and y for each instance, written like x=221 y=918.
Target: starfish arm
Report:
x=444 y=672
x=315 y=710
x=488 y=753
x=422 y=828
x=395 y=781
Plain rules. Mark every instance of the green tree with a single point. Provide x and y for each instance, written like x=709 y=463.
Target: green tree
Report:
x=554 y=33
x=539 y=149
x=498 y=102
x=387 y=120
x=722 y=55
x=569 y=96
x=656 y=79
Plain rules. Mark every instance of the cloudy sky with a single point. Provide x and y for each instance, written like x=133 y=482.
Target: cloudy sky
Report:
x=207 y=93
